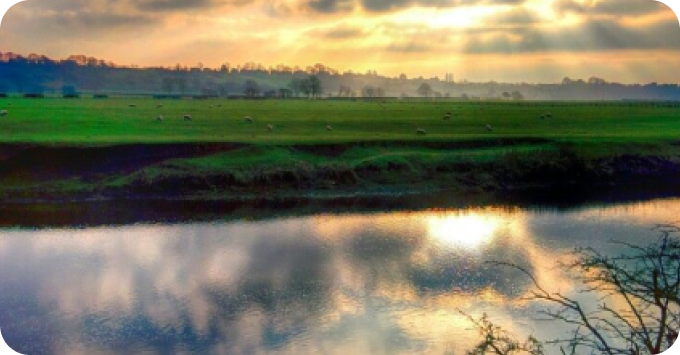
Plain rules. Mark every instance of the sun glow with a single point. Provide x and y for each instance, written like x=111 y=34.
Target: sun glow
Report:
x=468 y=231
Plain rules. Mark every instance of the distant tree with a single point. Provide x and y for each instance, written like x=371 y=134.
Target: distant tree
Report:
x=506 y=95
x=368 y=91
x=437 y=94
x=425 y=90
x=465 y=97
x=344 y=91
x=182 y=83
x=223 y=89
x=379 y=92
x=69 y=90
x=517 y=96
x=315 y=86
x=252 y=88
x=285 y=93
x=306 y=87
x=168 y=84
x=295 y=86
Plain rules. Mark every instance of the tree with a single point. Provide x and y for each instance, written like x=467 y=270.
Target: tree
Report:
x=315 y=86
x=344 y=91
x=425 y=90
x=252 y=88
x=306 y=87
x=640 y=295
x=517 y=96
x=368 y=91
x=295 y=86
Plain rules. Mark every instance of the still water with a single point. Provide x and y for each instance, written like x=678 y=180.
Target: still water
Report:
x=378 y=283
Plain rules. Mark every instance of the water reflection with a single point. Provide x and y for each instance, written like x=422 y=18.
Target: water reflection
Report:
x=386 y=283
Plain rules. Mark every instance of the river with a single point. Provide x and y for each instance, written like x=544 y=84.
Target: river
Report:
x=367 y=283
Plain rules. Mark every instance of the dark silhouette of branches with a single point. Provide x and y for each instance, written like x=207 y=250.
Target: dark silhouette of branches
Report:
x=638 y=311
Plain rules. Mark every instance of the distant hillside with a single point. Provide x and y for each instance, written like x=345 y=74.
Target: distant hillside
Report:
x=82 y=74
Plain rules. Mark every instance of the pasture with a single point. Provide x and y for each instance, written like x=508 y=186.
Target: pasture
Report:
x=277 y=122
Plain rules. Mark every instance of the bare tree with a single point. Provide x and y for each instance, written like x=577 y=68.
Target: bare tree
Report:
x=639 y=311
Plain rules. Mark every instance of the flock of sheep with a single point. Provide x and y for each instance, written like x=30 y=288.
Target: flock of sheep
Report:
x=248 y=119
x=329 y=128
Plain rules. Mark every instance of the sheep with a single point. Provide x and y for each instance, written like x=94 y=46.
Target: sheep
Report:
x=329 y=128
x=270 y=128
x=489 y=128
x=188 y=118
x=3 y=113
x=447 y=116
x=421 y=132
x=159 y=105
x=159 y=118
x=132 y=105
x=249 y=119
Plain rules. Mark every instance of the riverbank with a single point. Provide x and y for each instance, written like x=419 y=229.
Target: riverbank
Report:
x=237 y=171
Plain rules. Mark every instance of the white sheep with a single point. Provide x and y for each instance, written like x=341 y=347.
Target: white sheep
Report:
x=489 y=128
x=421 y=132
x=160 y=118
x=188 y=118
x=270 y=128
x=329 y=128
x=249 y=119
x=3 y=113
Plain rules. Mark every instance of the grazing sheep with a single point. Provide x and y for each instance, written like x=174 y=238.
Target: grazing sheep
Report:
x=249 y=119
x=160 y=118
x=3 y=113
x=447 y=116
x=329 y=128
x=132 y=105
x=421 y=132
x=270 y=128
x=188 y=118
x=548 y=115
x=159 y=105
x=489 y=128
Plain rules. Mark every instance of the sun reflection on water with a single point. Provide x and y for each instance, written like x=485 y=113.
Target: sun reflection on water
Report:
x=470 y=231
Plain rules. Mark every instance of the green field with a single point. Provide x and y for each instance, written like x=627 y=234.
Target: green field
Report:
x=84 y=121
x=372 y=146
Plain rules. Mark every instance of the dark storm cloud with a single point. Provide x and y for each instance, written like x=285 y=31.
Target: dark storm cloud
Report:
x=594 y=35
x=612 y=7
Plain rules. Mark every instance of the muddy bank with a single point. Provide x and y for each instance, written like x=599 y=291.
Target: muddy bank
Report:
x=236 y=172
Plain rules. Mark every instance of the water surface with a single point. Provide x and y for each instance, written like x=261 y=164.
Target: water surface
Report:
x=378 y=283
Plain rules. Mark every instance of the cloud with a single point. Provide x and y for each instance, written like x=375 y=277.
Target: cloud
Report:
x=180 y=5
x=611 y=7
x=338 y=32
x=515 y=16
x=333 y=6
x=593 y=35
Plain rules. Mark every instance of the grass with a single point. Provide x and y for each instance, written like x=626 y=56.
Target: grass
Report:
x=372 y=146
x=112 y=121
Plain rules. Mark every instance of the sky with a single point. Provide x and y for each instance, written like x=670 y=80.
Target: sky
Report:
x=478 y=40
